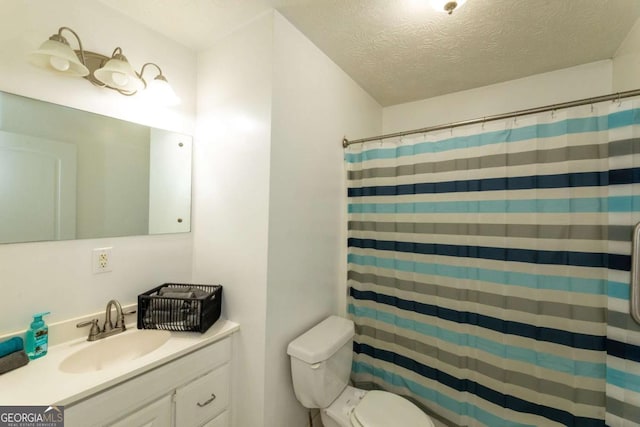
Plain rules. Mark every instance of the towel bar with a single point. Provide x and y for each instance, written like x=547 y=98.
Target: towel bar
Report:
x=635 y=275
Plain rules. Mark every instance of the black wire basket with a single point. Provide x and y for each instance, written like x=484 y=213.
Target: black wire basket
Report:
x=180 y=307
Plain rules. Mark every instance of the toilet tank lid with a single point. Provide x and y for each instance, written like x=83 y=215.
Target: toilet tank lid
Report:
x=322 y=341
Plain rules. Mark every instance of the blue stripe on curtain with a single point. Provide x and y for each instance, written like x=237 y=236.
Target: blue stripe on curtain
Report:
x=557 y=336
x=464 y=385
x=568 y=205
x=624 y=379
x=584 y=259
x=618 y=290
x=550 y=130
x=453 y=405
x=529 y=280
x=511 y=352
x=623 y=350
x=579 y=179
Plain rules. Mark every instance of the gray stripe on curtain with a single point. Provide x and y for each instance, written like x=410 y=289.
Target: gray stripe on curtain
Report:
x=521 y=379
x=622 y=409
x=555 y=155
x=620 y=320
x=553 y=309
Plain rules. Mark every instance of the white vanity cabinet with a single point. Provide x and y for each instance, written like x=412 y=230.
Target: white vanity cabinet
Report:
x=203 y=399
x=190 y=391
x=156 y=414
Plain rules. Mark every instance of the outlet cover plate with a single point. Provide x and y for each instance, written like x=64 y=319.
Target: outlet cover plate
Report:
x=101 y=260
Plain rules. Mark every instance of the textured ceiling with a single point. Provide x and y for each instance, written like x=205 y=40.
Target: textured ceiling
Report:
x=402 y=50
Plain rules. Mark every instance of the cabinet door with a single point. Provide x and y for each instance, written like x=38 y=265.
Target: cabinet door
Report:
x=156 y=414
x=203 y=399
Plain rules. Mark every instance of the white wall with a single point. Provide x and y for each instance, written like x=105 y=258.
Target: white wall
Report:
x=626 y=62
x=57 y=276
x=269 y=198
x=231 y=195
x=564 y=85
x=314 y=105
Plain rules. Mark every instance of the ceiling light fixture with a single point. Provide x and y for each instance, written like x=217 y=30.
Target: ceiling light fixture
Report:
x=447 y=5
x=111 y=72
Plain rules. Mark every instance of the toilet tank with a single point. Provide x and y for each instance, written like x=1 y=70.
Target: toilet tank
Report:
x=321 y=361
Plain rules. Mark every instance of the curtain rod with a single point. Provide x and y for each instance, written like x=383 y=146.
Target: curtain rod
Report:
x=612 y=97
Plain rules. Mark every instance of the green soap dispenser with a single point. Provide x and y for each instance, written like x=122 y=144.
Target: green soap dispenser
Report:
x=37 y=339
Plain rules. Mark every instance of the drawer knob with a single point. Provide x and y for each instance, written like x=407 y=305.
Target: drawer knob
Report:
x=211 y=399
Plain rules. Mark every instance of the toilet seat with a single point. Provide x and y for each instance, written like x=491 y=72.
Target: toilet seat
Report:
x=384 y=409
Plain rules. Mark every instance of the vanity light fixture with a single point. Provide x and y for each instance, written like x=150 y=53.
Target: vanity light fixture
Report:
x=111 y=72
x=447 y=5
x=159 y=88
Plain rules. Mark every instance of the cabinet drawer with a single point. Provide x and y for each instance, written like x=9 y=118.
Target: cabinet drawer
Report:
x=221 y=420
x=157 y=414
x=203 y=399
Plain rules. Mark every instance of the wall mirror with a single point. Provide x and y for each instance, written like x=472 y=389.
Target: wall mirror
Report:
x=70 y=174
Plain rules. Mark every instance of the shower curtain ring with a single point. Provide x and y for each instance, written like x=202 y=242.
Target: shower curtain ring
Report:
x=617 y=99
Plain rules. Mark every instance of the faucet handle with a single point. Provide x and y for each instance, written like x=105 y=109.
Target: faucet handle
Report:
x=93 y=322
x=95 y=329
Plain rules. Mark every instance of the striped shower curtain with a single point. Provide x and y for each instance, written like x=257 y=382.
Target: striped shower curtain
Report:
x=489 y=268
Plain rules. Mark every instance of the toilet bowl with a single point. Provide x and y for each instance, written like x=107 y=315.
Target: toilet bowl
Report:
x=360 y=408
x=320 y=368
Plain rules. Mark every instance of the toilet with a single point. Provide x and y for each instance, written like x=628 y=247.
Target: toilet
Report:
x=321 y=366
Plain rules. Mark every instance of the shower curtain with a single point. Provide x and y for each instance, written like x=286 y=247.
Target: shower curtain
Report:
x=489 y=268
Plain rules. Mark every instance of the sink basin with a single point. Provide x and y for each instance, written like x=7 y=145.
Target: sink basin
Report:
x=114 y=350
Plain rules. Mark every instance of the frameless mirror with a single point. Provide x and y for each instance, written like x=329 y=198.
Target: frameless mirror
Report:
x=70 y=174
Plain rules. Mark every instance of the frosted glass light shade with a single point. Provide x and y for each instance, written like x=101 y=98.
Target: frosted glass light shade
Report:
x=112 y=72
x=58 y=57
x=159 y=91
x=117 y=73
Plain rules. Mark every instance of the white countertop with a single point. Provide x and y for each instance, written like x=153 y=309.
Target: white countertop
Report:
x=41 y=382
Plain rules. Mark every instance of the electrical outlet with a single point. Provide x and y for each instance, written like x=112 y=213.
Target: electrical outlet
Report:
x=101 y=260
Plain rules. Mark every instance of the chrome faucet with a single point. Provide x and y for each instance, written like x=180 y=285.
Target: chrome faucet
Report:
x=108 y=325
x=108 y=328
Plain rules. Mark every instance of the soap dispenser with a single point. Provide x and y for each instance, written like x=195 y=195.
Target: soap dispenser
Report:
x=37 y=339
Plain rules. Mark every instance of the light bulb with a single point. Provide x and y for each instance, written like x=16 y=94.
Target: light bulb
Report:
x=59 y=64
x=119 y=79
x=160 y=92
